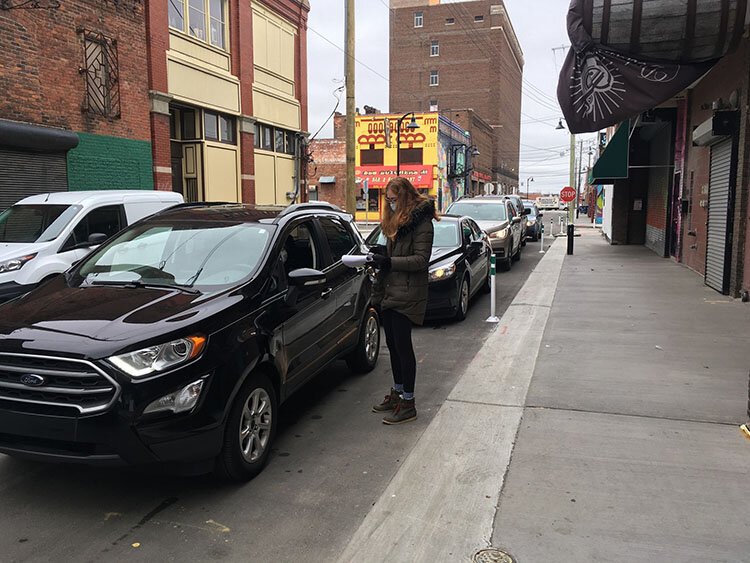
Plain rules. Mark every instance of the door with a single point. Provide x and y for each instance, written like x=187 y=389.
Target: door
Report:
x=718 y=247
x=308 y=321
x=473 y=255
x=346 y=282
x=483 y=263
x=515 y=227
x=192 y=172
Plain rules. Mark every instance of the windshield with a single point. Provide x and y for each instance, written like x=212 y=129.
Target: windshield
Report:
x=207 y=257
x=446 y=235
x=35 y=223
x=479 y=211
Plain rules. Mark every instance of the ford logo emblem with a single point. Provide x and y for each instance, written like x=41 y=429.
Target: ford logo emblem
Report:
x=32 y=380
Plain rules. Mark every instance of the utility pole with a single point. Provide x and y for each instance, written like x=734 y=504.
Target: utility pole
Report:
x=349 y=65
x=571 y=212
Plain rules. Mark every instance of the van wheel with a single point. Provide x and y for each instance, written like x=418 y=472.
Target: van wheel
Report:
x=365 y=356
x=250 y=430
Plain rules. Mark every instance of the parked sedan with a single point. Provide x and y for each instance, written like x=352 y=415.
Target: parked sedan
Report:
x=177 y=341
x=497 y=217
x=533 y=221
x=459 y=266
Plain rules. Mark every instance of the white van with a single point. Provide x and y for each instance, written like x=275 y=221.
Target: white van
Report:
x=43 y=235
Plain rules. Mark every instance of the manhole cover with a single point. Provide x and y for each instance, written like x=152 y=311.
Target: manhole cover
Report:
x=492 y=555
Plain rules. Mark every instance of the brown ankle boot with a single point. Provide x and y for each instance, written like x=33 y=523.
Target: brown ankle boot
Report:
x=389 y=402
x=405 y=411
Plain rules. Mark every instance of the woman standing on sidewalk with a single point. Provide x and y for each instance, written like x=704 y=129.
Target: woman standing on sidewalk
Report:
x=401 y=289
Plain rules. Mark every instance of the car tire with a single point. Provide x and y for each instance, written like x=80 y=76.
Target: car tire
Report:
x=364 y=358
x=250 y=430
x=464 y=296
x=517 y=256
x=506 y=263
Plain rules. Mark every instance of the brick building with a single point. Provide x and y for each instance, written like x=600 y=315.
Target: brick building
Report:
x=228 y=94
x=326 y=176
x=459 y=55
x=74 y=110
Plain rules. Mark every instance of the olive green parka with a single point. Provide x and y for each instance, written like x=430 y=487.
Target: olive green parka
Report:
x=403 y=288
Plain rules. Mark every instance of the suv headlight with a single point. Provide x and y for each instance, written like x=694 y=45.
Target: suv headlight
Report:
x=161 y=357
x=15 y=263
x=442 y=272
x=529 y=223
x=501 y=234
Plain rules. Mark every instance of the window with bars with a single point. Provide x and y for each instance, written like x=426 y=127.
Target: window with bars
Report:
x=101 y=74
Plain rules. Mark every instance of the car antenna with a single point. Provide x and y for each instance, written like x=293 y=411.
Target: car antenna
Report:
x=46 y=199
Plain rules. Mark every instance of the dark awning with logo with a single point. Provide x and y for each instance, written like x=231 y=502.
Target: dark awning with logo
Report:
x=614 y=161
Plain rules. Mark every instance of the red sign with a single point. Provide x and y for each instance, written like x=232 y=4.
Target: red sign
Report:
x=567 y=194
x=379 y=176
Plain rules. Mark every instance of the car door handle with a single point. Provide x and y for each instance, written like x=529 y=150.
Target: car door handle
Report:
x=327 y=293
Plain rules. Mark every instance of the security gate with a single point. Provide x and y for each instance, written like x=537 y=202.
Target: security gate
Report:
x=28 y=173
x=720 y=198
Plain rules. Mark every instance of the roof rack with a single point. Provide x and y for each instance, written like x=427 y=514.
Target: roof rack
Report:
x=310 y=205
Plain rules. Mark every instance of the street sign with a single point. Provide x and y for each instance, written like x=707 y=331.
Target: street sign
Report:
x=567 y=194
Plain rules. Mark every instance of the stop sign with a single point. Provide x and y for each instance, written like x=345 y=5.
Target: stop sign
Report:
x=567 y=194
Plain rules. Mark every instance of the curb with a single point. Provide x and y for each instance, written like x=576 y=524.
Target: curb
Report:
x=441 y=504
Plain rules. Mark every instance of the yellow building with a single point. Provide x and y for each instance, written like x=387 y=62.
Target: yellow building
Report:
x=232 y=81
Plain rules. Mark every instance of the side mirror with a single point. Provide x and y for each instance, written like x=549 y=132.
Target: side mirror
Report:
x=97 y=238
x=516 y=220
x=527 y=211
x=540 y=215
x=306 y=277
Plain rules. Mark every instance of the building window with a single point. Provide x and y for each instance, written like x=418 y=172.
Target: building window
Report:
x=410 y=156
x=433 y=105
x=276 y=139
x=435 y=49
x=203 y=19
x=102 y=75
x=418 y=19
x=450 y=21
x=478 y=19
x=434 y=78
x=217 y=127
x=371 y=157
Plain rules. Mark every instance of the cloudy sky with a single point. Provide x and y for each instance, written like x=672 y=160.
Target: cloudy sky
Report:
x=540 y=26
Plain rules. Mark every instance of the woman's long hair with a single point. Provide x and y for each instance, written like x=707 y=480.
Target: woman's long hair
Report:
x=407 y=200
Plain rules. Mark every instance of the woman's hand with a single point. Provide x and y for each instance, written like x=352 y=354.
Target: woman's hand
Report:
x=382 y=263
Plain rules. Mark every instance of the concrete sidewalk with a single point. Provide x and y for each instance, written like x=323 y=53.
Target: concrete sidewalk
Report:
x=618 y=442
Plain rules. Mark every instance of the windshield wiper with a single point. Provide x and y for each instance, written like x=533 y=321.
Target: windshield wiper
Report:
x=148 y=285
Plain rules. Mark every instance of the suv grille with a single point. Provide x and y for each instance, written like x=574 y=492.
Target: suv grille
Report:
x=56 y=381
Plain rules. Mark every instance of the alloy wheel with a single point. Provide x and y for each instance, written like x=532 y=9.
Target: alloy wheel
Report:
x=464 y=303
x=255 y=425
x=372 y=338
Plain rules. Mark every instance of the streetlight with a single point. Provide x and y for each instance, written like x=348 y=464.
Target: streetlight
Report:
x=412 y=125
x=527 y=186
x=571 y=209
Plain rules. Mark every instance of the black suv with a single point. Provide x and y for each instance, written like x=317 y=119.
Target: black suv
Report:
x=178 y=339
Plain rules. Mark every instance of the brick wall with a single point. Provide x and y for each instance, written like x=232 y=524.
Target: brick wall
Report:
x=330 y=160
x=100 y=162
x=40 y=56
x=479 y=66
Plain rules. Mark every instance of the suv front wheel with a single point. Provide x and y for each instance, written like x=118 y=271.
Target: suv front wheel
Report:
x=250 y=430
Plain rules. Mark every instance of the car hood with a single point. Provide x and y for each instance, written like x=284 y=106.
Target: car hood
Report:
x=94 y=321
x=492 y=226
x=11 y=250
x=440 y=254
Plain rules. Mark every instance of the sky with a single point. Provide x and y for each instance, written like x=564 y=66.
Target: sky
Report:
x=540 y=26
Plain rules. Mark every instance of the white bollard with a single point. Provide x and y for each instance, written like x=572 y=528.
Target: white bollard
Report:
x=541 y=238
x=493 y=290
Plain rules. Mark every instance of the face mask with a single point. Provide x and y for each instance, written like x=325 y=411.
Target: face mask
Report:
x=393 y=205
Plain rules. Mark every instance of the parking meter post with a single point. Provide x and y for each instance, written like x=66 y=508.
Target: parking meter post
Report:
x=571 y=235
x=493 y=289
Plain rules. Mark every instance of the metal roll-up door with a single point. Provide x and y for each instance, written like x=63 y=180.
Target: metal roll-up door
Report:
x=24 y=173
x=719 y=226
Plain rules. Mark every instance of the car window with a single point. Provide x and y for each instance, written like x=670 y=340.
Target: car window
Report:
x=106 y=220
x=480 y=211
x=466 y=231
x=340 y=240
x=206 y=257
x=35 y=223
x=511 y=210
x=299 y=250
x=476 y=231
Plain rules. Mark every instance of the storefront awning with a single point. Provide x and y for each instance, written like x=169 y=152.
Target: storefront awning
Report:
x=327 y=180
x=36 y=138
x=613 y=163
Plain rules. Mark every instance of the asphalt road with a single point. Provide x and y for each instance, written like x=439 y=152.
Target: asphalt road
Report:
x=332 y=460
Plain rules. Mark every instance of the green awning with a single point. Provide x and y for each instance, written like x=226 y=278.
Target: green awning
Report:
x=613 y=162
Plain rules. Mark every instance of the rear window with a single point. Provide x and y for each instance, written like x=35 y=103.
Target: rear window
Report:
x=35 y=223
x=494 y=211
